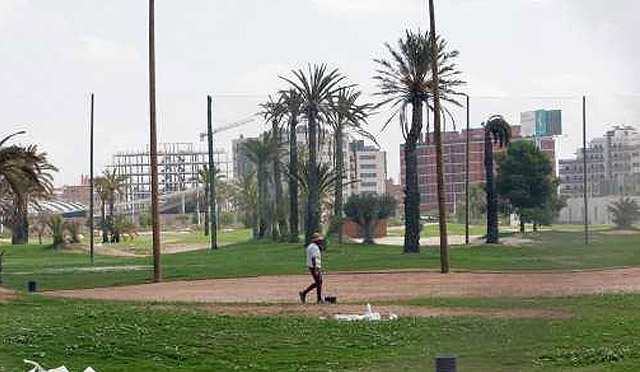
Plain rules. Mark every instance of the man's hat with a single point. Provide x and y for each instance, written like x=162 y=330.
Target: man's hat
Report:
x=316 y=236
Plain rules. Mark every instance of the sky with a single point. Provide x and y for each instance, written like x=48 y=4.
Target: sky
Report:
x=515 y=55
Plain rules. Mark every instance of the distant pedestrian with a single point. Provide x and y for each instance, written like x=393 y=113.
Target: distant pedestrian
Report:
x=314 y=263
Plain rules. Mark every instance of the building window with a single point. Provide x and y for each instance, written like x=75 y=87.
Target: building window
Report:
x=368 y=166
x=368 y=175
x=369 y=184
x=367 y=157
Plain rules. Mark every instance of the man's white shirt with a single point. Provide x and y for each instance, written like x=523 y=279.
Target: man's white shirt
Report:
x=313 y=251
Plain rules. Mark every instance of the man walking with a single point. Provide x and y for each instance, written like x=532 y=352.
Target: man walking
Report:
x=315 y=267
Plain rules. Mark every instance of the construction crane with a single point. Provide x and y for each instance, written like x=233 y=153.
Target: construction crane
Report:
x=226 y=127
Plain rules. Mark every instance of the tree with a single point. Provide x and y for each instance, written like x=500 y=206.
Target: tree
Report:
x=261 y=152
x=477 y=205
x=346 y=114
x=367 y=210
x=291 y=100
x=203 y=179
x=274 y=111
x=496 y=131
x=110 y=186
x=27 y=175
x=247 y=191
x=407 y=81
x=316 y=86
x=526 y=180
x=625 y=212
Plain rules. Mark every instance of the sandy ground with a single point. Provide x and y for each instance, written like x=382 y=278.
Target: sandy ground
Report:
x=372 y=287
x=328 y=311
x=6 y=295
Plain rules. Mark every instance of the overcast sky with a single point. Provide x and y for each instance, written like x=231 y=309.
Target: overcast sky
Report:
x=515 y=54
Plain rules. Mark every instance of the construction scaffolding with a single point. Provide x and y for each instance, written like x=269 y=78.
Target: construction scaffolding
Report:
x=179 y=167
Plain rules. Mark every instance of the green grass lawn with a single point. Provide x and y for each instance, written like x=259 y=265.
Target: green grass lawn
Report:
x=142 y=244
x=601 y=336
x=55 y=269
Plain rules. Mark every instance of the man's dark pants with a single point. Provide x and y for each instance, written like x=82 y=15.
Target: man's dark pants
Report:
x=317 y=283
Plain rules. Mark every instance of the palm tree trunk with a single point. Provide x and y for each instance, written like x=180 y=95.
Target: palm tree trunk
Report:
x=437 y=138
x=492 y=198
x=312 y=218
x=20 y=227
x=338 y=202
x=412 y=193
x=262 y=212
x=368 y=231
x=293 y=183
x=277 y=180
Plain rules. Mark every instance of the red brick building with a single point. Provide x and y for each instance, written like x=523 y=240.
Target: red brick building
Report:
x=454 y=152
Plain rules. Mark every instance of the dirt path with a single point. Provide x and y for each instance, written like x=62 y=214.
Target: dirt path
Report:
x=371 y=287
x=6 y=295
x=329 y=311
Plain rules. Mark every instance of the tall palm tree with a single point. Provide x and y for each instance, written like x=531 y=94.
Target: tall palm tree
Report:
x=437 y=138
x=247 y=194
x=291 y=101
x=316 y=86
x=496 y=131
x=346 y=114
x=26 y=174
x=261 y=152
x=406 y=81
x=274 y=111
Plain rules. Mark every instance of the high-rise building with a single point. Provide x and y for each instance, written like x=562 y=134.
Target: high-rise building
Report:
x=541 y=123
x=368 y=168
x=613 y=165
x=454 y=154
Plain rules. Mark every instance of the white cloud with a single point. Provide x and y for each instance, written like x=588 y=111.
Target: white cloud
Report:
x=263 y=79
x=97 y=49
x=364 y=8
x=10 y=8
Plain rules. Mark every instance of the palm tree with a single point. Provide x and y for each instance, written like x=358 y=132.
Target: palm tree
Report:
x=625 y=212
x=292 y=103
x=247 y=199
x=262 y=152
x=26 y=174
x=101 y=190
x=114 y=186
x=407 y=80
x=316 y=86
x=346 y=114
x=498 y=131
x=274 y=111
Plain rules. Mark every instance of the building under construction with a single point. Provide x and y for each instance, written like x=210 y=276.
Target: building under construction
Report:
x=178 y=167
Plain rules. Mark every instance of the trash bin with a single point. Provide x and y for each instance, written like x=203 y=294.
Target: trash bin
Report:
x=31 y=286
x=446 y=363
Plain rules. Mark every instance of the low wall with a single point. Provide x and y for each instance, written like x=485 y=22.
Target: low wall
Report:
x=353 y=231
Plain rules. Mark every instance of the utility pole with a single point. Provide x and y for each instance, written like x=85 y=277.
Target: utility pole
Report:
x=437 y=136
x=153 y=146
x=212 y=178
x=466 y=181
x=584 y=170
x=91 y=206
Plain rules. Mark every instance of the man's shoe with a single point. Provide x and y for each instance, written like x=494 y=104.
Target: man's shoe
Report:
x=302 y=297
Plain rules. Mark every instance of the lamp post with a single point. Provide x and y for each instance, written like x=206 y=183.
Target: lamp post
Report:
x=91 y=239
